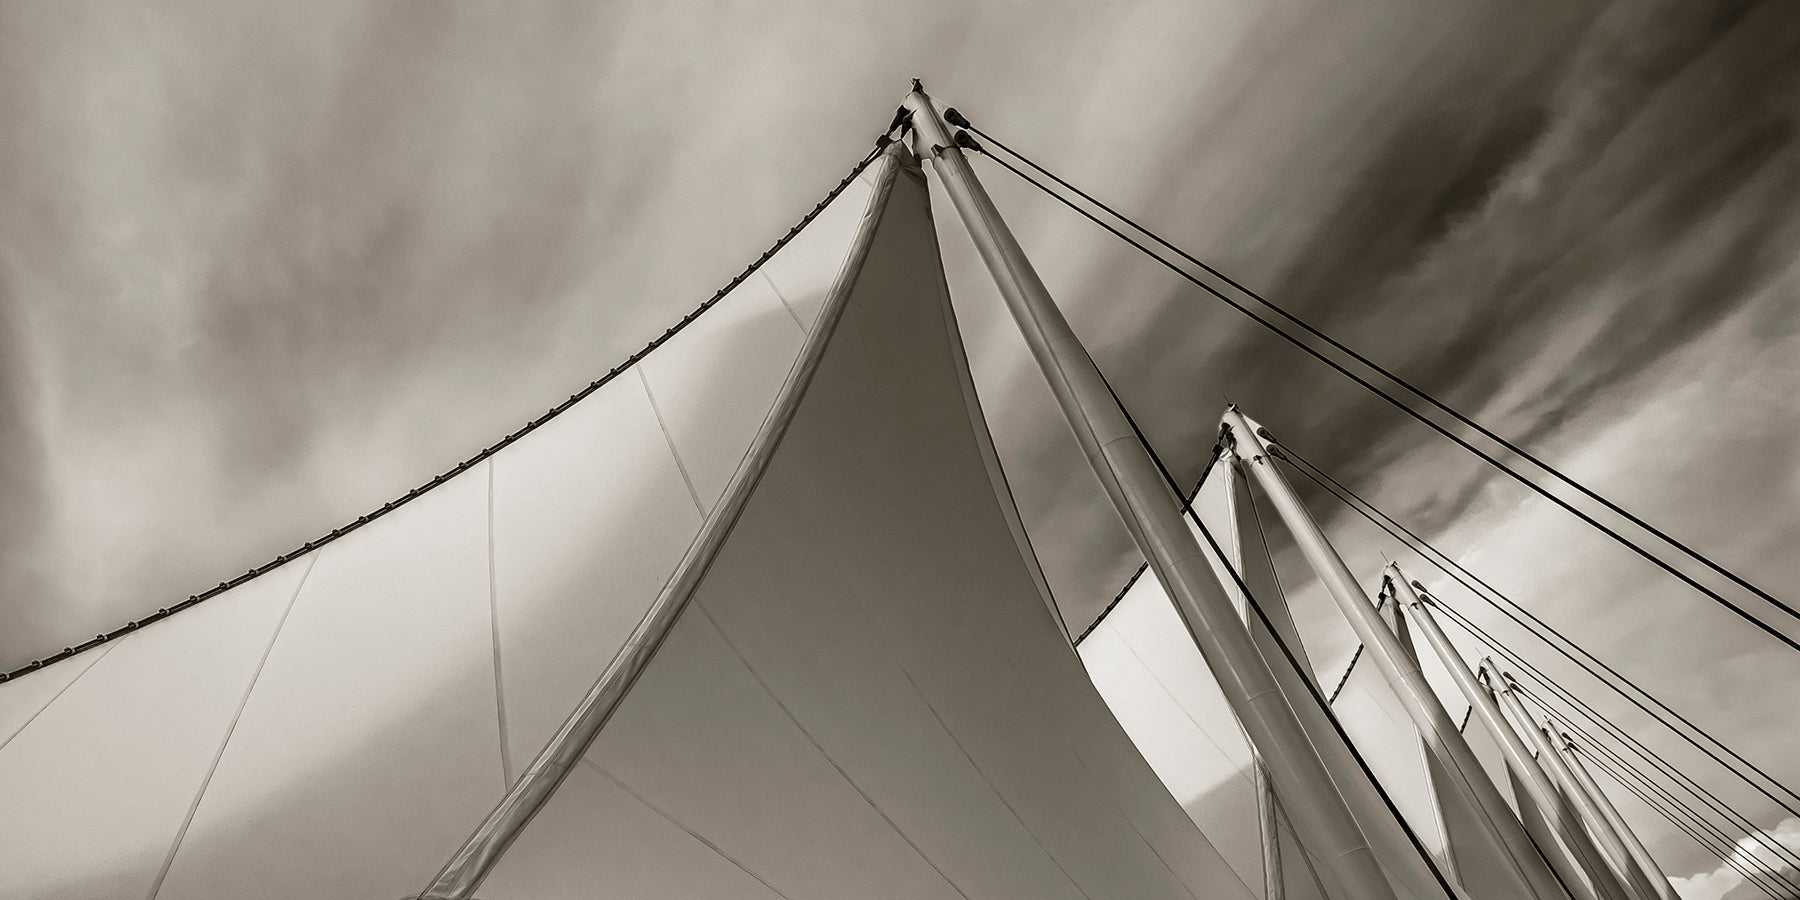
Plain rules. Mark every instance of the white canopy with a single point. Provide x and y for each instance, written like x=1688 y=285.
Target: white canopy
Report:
x=869 y=695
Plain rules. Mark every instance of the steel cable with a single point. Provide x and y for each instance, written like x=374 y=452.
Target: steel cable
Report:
x=1589 y=663
x=465 y=465
x=1423 y=395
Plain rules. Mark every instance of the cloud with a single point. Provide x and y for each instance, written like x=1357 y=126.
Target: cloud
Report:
x=261 y=271
x=1750 y=854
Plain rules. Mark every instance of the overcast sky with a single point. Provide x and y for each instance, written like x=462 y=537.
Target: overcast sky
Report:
x=264 y=266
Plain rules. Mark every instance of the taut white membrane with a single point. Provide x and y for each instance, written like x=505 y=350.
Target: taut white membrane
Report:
x=179 y=762
x=868 y=696
x=1142 y=651
x=1146 y=666
x=95 y=790
x=1390 y=743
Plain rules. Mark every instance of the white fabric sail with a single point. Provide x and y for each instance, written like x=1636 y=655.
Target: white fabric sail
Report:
x=1381 y=729
x=1147 y=668
x=870 y=695
x=335 y=726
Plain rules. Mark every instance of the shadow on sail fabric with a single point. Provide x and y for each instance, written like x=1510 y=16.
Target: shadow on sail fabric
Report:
x=868 y=695
x=335 y=726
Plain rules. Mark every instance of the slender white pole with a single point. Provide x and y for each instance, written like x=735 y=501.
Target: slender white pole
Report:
x=1608 y=842
x=1639 y=853
x=1152 y=513
x=1550 y=799
x=1572 y=874
x=1503 y=834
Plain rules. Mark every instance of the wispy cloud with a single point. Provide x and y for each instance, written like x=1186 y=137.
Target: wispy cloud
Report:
x=262 y=270
x=1751 y=855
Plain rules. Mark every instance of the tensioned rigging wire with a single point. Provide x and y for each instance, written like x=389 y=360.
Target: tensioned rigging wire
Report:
x=1187 y=509
x=1657 y=763
x=1637 y=747
x=1486 y=592
x=1711 y=842
x=1703 y=832
x=223 y=586
x=1139 y=573
x=1720 y=850
x=1433 y=401
x=1699 y=818
x=1439 y=559
x=1658 y=561
x=1593 y=716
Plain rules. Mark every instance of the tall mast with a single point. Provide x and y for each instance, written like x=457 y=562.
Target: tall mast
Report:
x=1549 y=797
x=1640 y=855
x=1569 y=868
x=1611 y=848
x=1504 y=835
x=1151 y=512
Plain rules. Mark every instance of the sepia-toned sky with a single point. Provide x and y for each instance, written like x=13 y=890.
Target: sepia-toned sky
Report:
x=264 y=266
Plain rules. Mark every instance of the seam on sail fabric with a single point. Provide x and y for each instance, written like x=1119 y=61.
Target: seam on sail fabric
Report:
x=206 y=782
x=875 y=629
x=708 y=844
x=770 y=280
x=700 y=604
x=164 y=612
x=56 y=696
x=506 y=766
x=669 y=439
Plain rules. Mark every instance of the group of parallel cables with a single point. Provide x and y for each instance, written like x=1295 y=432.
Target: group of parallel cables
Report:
x=1689 y=805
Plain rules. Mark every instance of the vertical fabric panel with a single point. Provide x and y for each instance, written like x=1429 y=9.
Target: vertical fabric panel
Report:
x=370 y=746
x=95 y=790
x=590 y=516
